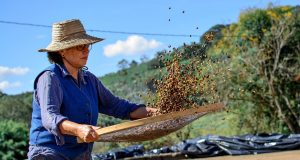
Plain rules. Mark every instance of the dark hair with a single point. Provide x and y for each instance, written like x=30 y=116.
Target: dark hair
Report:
x=55 y=57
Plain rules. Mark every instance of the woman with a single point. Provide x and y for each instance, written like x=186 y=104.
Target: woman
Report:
x=67 y=99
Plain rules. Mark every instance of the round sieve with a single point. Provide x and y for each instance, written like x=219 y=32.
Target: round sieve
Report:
x=153 y=127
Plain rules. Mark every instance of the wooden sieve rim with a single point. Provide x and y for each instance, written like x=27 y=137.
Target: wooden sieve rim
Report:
x=173 y=115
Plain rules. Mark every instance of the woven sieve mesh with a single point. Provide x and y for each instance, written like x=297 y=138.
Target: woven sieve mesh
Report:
x=149 y=131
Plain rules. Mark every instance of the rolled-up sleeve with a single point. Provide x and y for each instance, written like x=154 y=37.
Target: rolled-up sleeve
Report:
x=113 y=105
x=49 y=96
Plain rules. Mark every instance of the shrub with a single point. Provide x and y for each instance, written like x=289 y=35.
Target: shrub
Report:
x=13 y=140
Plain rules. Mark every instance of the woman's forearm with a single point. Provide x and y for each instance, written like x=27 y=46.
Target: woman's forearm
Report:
x=69 y=127
x=87 y=133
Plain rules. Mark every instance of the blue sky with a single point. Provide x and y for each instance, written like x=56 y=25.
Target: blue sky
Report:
x=20 y=62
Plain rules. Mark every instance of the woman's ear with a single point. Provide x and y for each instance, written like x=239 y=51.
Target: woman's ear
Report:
x=62 y=53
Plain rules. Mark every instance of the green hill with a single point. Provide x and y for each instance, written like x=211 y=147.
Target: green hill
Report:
x=251 y=65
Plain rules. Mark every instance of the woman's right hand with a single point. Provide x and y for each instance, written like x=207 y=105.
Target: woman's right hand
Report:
x=87 y=133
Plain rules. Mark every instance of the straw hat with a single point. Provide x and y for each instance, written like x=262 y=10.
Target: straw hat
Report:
x=68 y=34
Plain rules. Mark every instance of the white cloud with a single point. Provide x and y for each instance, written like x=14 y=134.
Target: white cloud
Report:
x=6 y=84
x=133 y=45
x=13 y=71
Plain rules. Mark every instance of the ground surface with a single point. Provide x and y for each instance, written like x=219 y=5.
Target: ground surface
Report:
x=286 y=155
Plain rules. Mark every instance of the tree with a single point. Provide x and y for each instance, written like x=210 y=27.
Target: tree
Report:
x=133 y=63
x=144 y=59
x=259 y=80
x=157 y=61
x=16 y=107
x=216 y=29
x=14 y=140
x=123 y=64
x=2 y=94
x=279 y=64
x=195 y=50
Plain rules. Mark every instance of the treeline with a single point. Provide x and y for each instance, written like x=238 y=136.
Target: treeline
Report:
x=259 y=80
x=252 y=66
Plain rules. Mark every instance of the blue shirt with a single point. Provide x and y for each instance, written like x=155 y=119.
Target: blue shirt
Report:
x=55 y=92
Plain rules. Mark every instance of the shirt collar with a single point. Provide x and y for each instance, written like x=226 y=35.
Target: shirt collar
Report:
x=65 y=72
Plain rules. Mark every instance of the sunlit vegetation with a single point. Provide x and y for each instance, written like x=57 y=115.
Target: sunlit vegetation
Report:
x=251 y=66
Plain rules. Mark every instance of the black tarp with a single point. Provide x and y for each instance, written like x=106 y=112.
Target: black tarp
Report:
x=212 y=145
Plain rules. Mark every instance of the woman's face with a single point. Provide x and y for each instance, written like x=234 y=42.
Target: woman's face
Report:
x=76 y=56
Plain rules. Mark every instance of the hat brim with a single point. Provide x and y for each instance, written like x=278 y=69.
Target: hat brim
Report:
x=83 y=39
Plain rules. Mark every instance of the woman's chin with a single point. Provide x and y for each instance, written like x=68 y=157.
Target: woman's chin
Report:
x=83 y=63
